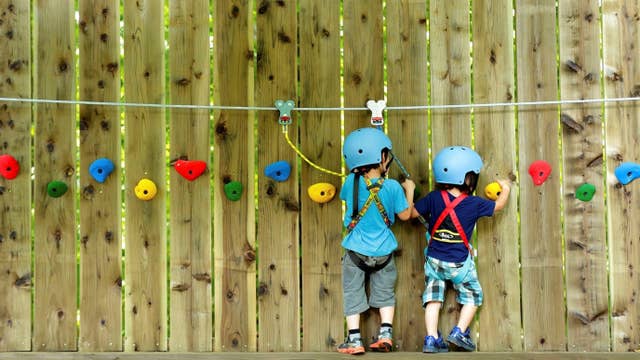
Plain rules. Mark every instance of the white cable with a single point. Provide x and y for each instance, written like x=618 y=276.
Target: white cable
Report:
x=267 y=108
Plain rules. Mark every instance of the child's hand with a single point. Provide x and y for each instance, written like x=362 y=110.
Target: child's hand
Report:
x=501 y=202
x=408 y=185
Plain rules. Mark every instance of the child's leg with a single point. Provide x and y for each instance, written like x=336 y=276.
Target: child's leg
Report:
x=386 y=314
x=467 y=313
x=353 y=322
x=431 y=314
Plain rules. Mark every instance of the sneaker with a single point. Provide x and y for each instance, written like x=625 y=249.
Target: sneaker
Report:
x=461 y=339
x=384 y=342
x=351 y=346
x=433 y=345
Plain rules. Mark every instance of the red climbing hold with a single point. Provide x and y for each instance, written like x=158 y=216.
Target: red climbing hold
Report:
x=539 y=171
x=9 y=167
x=190 y=169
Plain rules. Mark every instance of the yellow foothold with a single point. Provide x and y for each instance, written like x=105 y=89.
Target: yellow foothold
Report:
x=492 y=191
x=146 y=189
x=321 y=192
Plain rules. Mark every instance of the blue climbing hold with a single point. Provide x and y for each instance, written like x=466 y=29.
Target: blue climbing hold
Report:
x=627 y=171
x=100 y=169
x=278 y=171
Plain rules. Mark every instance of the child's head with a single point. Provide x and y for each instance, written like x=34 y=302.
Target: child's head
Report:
x=457 y=166
x=365 y=149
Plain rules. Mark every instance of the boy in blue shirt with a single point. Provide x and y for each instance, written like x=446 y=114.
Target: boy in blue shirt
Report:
x=452 y=212
x=372 y=201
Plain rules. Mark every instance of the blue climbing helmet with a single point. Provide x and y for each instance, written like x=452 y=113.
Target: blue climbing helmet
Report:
x=364 y=147
x=452 y=164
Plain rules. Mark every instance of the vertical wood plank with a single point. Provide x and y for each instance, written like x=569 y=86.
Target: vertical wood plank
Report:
x=363 y=80
x=234 y=160
x=622 y=76
x=15 y=221
x=450 y=84
x=54 y=325
x=584 y=228
x=538 y=130
x=100 y=202
x=407 y=86
x=363 y=59
x=191 y=312
x=145 y=242
x=495 y=133
x=450 y=73
x=320 y=131
x=279 y=203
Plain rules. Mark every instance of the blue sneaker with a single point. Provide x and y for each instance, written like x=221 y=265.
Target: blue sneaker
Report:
x=433 y=345
x=461 y=339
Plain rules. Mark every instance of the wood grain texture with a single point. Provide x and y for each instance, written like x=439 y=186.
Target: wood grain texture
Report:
x=234 y=160
x=190 y=269
x=495 y=128
x=584 y=226
x=54 y=326
x=146 y=236
x=538 y=136
x=100 y=203
x=279 y=203
x=622 y=76
x=321 y=224
x=16 y=280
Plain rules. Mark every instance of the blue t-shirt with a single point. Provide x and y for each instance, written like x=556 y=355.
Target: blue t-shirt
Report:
x=371 y=236
x=447 y=244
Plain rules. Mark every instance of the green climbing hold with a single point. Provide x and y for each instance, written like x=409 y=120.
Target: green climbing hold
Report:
x=585 y=192
x=233 y=190
x=56 y=188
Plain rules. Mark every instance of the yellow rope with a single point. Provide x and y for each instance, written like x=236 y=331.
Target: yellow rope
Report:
x=286 y=136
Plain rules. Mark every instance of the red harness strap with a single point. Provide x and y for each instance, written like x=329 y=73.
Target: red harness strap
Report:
x=449 y=210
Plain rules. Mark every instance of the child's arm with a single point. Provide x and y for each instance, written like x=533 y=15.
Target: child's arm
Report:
x=409 y=188
x=502 y=199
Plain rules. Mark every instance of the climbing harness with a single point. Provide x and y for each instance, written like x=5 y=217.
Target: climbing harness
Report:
x=449 y=211
x=373 y=188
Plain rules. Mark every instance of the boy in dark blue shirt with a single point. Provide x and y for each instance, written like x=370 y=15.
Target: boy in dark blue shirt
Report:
x=452 y=212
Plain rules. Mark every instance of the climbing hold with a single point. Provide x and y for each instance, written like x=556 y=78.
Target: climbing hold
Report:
x=56 y=188
x=539 y=171
x=492 y=190
x=285 y=108
x=190 y=169
x=321 y=192
x=146 y=189
x=100 y=169
x=9 y=166
x=585 y=192
x=278 y=171
x=376 y=108
x=233 y=190
x=627 y=171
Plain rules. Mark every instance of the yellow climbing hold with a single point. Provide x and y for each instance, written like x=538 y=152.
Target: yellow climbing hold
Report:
x=492 y=190
x=146 y=189
x=321 y=192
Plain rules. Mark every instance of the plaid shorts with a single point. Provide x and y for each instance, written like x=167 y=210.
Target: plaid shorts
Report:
x=468 y=291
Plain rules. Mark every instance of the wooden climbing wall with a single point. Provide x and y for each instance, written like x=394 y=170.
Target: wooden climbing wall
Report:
x=100 y=201
x=195 y=269
x=15 y=194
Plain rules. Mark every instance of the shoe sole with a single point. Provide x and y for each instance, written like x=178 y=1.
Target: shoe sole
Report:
x=381 y=346
x=460 y=344
x=352 y=351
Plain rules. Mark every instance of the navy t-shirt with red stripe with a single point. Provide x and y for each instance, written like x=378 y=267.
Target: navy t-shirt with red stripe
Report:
x=447 y=245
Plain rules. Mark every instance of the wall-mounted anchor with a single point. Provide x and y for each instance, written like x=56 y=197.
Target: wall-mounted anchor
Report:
x=376 y=108
x=285 y=108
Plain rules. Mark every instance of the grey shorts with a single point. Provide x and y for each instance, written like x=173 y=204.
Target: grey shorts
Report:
x=382 y=285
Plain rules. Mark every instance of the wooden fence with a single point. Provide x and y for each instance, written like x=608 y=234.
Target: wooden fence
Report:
x=97 y=269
